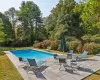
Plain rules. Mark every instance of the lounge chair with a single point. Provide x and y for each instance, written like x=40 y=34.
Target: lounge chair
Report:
x=70 y=52
x=21 y=59
x=55 y=57
x=82 y=56
x=23 y=63
x=33 y=65
x=69 y=55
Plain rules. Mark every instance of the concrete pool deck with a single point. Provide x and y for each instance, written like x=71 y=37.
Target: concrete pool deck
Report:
x=51 y=70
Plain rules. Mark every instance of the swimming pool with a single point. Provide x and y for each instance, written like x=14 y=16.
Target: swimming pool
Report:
x=32 y=54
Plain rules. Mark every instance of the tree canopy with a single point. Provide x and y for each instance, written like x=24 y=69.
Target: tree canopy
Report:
x=7 y=27
x=91 y=16
x=30 y=17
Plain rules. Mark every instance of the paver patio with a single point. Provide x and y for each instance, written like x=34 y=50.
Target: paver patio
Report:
x=51 y=70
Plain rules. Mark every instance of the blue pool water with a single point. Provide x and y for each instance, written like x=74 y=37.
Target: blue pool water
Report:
x=32 y=54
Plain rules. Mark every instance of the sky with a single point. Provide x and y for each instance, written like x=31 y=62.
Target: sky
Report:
x=44 y=5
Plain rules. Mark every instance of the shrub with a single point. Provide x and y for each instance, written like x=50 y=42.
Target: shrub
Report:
x=71 y=39
x=87 y=38
x=96 y=38
x=54 y=45
x=45 y=44
x=37 y=45
x=73 y=45
x=92 y=48
x=42 y=45
x=97 y=49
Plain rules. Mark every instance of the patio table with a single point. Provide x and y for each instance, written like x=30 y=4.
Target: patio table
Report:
x=62 y=57
x=62 y=60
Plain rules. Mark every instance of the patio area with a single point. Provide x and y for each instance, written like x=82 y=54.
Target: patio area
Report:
x=51 y=70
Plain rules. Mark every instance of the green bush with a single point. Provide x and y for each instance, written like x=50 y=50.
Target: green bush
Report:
x=96 y=38
x=87 y=38
x=71 y=39
x=92 y=48
x=37 y=45
x=45 y=44
x=73 y=45
x=42 y=45
x=97 y=49
x=54 y=45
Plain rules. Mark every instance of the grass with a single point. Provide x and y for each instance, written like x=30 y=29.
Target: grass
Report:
x=13 y=48
x=94 y=76
x=7 y=69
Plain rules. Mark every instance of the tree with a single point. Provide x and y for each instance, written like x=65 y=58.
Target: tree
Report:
x=68 y=20
x=76 y=28
x=90 y=17
x=30 y=17
x=11 y=14
x=20 y=33
x=63 y=20
x=7 y=27
x=2 y=34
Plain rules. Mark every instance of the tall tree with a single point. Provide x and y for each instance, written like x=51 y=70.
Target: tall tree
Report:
x=64 y=17
x=76 y=28
x=11 y=14
x=91 y=16
x=7 y=27
x=53 y=19
x=68 y=20
x=2 y=33
x=30 y=16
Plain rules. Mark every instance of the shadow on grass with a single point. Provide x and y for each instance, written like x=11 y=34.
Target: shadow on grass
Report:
x=97 y=74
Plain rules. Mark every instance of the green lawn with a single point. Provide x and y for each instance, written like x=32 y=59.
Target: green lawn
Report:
x=7 y=69
x=13 y=48
x=94 y=76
